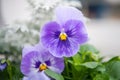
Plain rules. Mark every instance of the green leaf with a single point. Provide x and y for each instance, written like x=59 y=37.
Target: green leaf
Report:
x=111 y=78
x=91 y=65
x=116 y=58
x=113 y=69
x=87 y=47
x=101 y=69
x=101 y=77
x=9 y=69
x=54 y=75
x=77 y=59
x=70 y=61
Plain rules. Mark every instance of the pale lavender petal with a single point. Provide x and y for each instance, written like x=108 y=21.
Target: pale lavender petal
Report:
x=65 y=13
x=25 y=78
x=27 y=62
x=37 y=76
x=57 y=65
x=45 y=55
x=76 y=31
x=28 y=49
x=49 y=33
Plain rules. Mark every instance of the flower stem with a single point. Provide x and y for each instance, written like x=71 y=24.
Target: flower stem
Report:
x=67 y=67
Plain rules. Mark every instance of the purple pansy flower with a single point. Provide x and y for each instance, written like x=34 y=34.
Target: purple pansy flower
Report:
x=3 y=65
x=63 y=36
x=35 y=60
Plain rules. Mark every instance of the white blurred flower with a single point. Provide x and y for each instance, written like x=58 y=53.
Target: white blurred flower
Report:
x=49 y=4
x=24 y=28
x=13 y=27
x=46 y=4
x=34 y=32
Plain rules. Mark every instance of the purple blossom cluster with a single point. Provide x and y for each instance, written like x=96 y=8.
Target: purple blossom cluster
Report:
x=58 y=39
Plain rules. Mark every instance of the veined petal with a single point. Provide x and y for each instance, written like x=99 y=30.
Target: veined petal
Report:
x=28 y=49
x=76 y=35
x=49 y=33
x=63 y=48
x=76 y=30
x=37 y=76
x=28 y=61
x=65 y=13
x=57 y=64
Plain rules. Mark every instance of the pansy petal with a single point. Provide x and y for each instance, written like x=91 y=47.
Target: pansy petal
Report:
x=53 y=48
x=49 y=33
x=46 y=55
x=65 y=13
x=27 y=49
x=76 y=29
x=37 y=76
x=64 y=48
x=28 y=61
x=57 y=65
x=25 y=78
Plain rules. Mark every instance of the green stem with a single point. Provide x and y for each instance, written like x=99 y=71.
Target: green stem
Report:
x=83 y=57
x=67 y=67
x=73 y=73
x=9 y=69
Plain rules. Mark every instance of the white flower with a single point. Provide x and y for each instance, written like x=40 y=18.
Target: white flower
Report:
x=46 y=4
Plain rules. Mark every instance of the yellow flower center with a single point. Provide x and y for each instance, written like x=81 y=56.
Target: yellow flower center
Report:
x=63 y=36
x=42 y=67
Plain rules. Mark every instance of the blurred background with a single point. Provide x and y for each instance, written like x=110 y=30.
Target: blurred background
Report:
x=20 y=22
